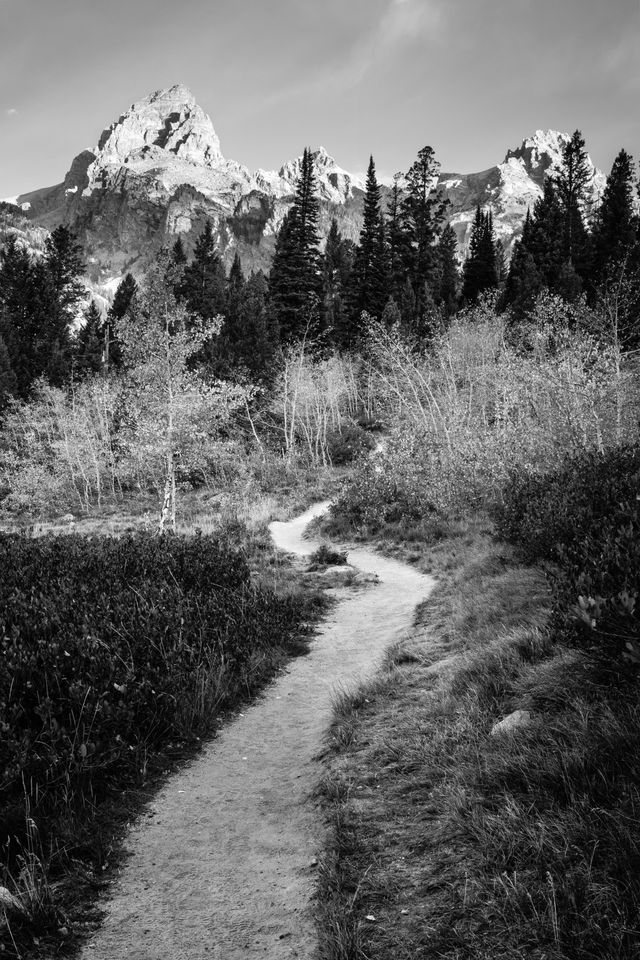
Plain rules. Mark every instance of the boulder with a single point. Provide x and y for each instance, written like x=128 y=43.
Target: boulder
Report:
x=511 y=723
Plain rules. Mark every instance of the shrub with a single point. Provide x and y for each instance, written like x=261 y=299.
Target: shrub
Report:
x=348 y=443
x=585 y=519
x=113 y=647
x=324 y=556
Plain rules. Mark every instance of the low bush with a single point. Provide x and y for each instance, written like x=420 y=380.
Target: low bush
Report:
x=325 y=556
x=112 y=649
x=585 y=519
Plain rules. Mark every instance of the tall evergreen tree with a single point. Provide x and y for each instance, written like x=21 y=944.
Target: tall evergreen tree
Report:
x=449 y=275
x=615 y=229
x=203 y=283
x=89 y=346
x=8 y=381
x=398 y=242
x=257 y=339
x=33 y=321
x=295 y=279
x=369 y=280
x=178 y=254
x=63 y=266
x=524 y=281
x=122 y=301
x=571 y=184
x=538 y=259
x=337 y=266
x=422 y=215
x=480 y=272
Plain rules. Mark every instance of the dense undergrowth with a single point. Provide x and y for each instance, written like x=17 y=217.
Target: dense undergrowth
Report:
x=447 y=840
x=115 y=650
x=585 y=520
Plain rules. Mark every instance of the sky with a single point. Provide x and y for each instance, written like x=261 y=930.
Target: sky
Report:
x=471 y=78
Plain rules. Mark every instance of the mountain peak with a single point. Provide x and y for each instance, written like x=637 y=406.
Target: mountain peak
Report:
x=167 y=122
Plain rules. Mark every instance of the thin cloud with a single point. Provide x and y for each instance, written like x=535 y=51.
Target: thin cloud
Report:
x=401 y=23
x=12 y=112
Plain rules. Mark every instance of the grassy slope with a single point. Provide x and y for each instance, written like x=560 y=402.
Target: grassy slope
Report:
x=449 y=842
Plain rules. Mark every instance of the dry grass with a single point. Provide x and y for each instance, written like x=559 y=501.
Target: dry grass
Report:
x=449 y=842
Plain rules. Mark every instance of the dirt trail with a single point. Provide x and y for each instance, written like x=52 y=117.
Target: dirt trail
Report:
x=223 y=864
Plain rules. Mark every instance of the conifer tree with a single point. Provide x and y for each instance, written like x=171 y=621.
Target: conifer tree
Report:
x=257 y=342
x=546 y=241
x=8 y=381
x=33 y=322
x=337 y=266
x=615 y=229
x=422 y=215
x=524 y=281
x=398 y=241
x=89 y=347
x=122 y=302
x=178 y=255
x=62 y=265
x=480 y=272
x=203 y=282
x=571 y=184
x=295 y=279
x=391 y=315
x=502 y=269
x=369 y=280
x=449 y=275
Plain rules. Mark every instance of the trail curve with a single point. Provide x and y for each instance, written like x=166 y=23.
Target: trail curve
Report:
x=223 y=864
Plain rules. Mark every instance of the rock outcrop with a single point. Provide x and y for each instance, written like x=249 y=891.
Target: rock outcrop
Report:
x=159 y=172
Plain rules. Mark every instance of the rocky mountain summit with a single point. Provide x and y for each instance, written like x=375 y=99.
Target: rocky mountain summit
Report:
x=158 y=172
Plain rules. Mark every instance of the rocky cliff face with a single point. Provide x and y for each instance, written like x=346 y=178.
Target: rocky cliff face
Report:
x=159 y=172
x=511 y=187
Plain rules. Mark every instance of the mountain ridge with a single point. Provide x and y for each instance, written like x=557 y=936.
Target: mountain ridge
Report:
x=158 y=171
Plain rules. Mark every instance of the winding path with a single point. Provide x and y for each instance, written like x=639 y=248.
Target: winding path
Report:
x=222 y=865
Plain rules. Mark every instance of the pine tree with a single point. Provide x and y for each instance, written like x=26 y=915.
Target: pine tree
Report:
x=202 y=283
x=369 y=280
x=422 y=214
x=615 y=229
x=178 y=254
x=89 y=347
x=257 y=341
x=480 y=272
x=337 y=266
x=8 y=381
x=571 y=184
x=398 y=241
x=62 y=265
x=29 y=315
x=524 y=281
x=449 y=275
x=122 y=301
x=391 y=315
x=546 y=241
x=502 y=269
x=295 y=279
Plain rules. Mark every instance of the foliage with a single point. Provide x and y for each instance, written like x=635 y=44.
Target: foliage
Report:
x=482 y=401
x=326 y=556
x=114 y=650
x=585 y=518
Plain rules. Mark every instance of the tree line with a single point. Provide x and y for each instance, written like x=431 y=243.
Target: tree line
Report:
x=403 y=271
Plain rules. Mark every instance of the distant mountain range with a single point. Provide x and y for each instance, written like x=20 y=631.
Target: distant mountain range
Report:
x=158 y=172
